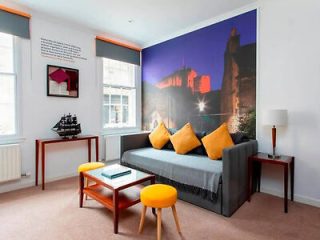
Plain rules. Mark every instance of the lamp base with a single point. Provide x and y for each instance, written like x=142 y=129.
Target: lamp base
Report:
x=273 y=156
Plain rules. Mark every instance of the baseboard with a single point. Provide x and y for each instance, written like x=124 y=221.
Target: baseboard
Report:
x=297 y=198
x=30 y=183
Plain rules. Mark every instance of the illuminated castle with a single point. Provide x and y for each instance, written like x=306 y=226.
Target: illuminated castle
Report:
x=187 y=78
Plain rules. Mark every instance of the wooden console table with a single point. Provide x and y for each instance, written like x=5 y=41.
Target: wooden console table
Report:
x=285 y=161
x=41 y=147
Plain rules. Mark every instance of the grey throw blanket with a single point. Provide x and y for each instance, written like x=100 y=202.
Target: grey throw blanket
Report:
x=193 y=170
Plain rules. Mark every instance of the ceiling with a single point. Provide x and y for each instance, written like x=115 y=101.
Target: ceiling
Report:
x=151 y=20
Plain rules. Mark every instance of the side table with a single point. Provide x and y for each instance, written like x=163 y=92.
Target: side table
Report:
x=285 y=161
x=41 y=149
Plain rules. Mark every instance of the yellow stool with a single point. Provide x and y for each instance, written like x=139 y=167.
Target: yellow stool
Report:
x=158 y=196
x=89 y=166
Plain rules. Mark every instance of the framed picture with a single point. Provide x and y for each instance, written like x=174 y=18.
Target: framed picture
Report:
x=62 y=82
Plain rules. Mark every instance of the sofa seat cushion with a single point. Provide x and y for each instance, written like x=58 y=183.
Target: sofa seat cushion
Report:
x=193 y=170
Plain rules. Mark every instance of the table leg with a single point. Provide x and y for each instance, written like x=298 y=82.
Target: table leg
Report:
x=37 y=162
x=89 y=150
x=115 y=211
x=249 y=179
x=43 y=155
x=259 y=165
x=97 y=149
x=286 y=188
x=292 y=179
x=81 y=185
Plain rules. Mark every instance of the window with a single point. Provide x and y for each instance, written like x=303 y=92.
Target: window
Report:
x=8 y=124
x=119 y=92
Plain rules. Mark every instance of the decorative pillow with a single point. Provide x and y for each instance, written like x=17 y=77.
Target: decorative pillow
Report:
x=159 y=136
x=216 y=141
x=199 y=150
x=184 y=140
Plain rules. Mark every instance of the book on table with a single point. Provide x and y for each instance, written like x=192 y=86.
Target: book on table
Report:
x=115 y=172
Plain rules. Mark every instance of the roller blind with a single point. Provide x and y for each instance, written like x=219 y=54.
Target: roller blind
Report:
x=117 y=52
x=13 y=23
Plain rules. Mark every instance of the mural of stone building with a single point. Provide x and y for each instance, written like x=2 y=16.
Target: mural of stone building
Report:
x=238 y=91
x=216 y=82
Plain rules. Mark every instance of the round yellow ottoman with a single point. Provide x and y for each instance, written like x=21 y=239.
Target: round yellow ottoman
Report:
x=158 y=196
x=90 y=166
x=87 y=167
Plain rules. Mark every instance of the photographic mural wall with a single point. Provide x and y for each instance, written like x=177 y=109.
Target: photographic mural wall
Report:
x=205 y=77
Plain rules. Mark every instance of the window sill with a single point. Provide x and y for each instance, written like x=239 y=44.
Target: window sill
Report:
x=11 y=140
x=120 y=131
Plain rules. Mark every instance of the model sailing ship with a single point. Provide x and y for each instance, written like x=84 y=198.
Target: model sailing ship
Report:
x=67 y=127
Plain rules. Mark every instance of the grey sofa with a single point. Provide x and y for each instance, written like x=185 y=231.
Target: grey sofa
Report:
x=217 y=185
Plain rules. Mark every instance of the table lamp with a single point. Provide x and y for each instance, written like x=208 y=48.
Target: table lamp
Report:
x=275 y=117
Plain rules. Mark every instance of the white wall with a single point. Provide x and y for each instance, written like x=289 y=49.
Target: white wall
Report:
x=289 y=78
x=39 y=112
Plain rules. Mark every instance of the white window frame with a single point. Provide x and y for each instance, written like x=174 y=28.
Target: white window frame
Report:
x=121 y=130
x=12 y=138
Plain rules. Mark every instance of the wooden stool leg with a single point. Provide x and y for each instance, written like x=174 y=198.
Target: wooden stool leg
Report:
x=143 y=215
x=159 y=224
x=174 y=211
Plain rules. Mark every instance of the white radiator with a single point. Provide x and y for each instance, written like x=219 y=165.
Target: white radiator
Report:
x=112 y=147
x=10 y=162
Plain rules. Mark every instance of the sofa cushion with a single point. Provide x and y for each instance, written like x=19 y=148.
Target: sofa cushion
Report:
x=216 y=141
x=185 y=140
x=169 y=145
x=198 y=171
x=159 y=136
x=239 y=137
x=199 y=150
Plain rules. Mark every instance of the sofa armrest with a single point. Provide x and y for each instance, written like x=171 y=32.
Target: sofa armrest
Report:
x=133 y=141
x=235 y=175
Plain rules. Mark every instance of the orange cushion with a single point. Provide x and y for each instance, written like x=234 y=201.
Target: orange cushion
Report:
x=184 y=140
x=159 y=136
x=158 y=196
x=215 y=142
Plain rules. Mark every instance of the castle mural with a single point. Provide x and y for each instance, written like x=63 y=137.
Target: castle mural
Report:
x=205 y=77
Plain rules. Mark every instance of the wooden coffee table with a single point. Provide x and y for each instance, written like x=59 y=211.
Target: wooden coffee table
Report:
x=115 y=194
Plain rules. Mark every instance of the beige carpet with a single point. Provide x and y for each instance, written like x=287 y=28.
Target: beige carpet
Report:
x=54 y=214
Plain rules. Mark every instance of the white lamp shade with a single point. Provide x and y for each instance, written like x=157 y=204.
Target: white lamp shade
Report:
x=275 y=117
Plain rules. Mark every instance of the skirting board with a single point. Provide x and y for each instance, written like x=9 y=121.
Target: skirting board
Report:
x=297 y=198
x=30 y=183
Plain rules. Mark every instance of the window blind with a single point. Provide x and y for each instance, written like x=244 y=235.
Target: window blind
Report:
x=115 y=51
x=14 y=22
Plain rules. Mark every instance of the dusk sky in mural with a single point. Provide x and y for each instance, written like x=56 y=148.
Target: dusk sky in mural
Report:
x=203 y=50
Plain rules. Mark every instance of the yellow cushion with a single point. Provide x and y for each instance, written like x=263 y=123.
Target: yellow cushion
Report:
x=90 y=166
x=184 y=140
x=215 y=142
x=158 y=196
x=159 y=136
